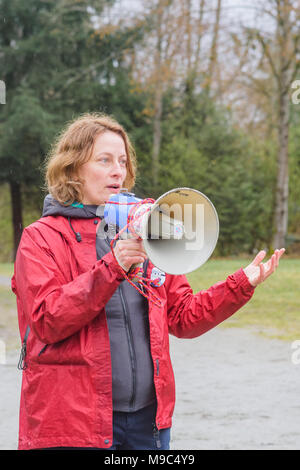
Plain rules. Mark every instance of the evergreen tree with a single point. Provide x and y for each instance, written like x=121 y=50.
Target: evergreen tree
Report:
x=57 y=62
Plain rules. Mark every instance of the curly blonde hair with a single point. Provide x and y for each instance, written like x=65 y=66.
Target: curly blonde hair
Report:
x=74 y=147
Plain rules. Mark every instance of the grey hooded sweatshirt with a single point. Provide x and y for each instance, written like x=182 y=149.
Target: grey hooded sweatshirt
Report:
x=127 y=319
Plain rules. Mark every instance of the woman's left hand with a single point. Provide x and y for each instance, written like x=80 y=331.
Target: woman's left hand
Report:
x=257 y=271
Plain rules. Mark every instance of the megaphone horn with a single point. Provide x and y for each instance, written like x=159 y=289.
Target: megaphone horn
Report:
x=179 y=230
x=197 y=238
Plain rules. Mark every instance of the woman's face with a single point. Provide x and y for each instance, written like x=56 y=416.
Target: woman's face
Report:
x=105 y=172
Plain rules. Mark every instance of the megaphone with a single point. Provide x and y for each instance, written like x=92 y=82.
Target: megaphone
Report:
x=179 y=230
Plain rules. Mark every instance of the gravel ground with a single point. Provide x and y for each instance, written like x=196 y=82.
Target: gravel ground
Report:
x=235 y=390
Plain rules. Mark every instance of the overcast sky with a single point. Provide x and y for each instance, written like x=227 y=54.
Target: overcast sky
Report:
x=234 y=12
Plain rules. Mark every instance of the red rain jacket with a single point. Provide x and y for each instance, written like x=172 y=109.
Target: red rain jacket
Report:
x=61 y=290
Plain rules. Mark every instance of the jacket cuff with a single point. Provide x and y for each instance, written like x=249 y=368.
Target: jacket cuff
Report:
x=243 y=281
x=113 y=265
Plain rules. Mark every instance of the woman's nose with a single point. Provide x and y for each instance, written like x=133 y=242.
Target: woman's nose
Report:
x=117 y=168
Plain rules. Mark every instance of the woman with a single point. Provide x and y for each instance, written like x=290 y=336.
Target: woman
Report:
x=97 y=371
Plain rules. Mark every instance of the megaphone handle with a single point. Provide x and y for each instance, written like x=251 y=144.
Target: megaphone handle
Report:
x=138 y=267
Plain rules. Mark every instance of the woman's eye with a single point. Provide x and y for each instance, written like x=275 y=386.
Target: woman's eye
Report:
x=103 y=160
x=108 y=161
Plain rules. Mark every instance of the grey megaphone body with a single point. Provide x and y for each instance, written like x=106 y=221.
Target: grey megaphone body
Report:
x=179 y=230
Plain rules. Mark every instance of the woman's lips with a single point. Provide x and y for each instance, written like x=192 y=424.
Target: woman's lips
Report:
x=114 y=188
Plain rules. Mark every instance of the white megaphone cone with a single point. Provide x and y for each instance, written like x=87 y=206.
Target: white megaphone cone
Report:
x=179 y=230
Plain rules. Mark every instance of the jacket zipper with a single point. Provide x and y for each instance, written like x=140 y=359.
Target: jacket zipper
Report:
x=129 y=340
x=144 y=275
x=131 y=347
x=145 y=271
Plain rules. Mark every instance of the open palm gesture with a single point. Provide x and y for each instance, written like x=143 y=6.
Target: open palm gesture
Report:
x=258 y=271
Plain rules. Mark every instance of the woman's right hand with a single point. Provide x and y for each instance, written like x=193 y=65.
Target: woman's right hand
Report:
x=129 y=252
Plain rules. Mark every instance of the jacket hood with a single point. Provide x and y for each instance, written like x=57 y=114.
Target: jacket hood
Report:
x=75 y=210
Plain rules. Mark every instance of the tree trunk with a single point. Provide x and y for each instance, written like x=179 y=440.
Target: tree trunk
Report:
x=284 y=82
x=282 y=187
x=156 y=135
x=200 y=30
x=17 y=219
x=214 y=48
x=192 y=65
x=158 y=106
x=188 y=31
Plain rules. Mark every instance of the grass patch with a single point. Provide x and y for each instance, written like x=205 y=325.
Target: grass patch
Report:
x=274 y=309
x=6 y=269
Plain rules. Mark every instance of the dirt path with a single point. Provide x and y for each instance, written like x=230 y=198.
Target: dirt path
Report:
x=235 y=390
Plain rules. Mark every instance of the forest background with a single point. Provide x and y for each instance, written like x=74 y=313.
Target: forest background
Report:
x=209 y=92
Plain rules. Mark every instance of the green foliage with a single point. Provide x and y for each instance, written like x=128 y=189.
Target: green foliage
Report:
x=25 y=135
x=56 y=66
x=6 y=229
x=60 y=60
x=294 y=172
x=32 y=205
x=202 y=150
